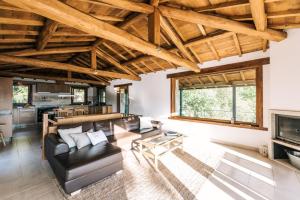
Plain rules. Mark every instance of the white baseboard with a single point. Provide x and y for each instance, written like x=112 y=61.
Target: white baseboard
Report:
x=234 y=144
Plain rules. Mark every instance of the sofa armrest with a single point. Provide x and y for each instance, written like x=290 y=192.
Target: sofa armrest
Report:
x=55 y=147
x=157 y=124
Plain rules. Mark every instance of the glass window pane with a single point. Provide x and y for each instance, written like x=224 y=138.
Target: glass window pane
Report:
x=20 y=94
x=246 y=104
x=79 y=95
x=214 y=103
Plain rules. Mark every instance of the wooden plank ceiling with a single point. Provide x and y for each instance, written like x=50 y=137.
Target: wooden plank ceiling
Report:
x=96 y=41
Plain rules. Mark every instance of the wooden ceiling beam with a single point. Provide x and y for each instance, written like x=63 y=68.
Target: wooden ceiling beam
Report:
x=188 y=44
x=259 y=17
x=282 y=26
x=59 y=50
x=154 y=3
x=114 y=62
x=147 y=66
x=71 y=39
x=225 y=78
x=17 y=32
x=213 y=49
x=108 y=18
x=258 y=14
x=175 y=38
x=154 y=27
x=63 y=66
x=67 y=79
x=220 y=23
x=46 y=34
x=270 y=15
x=66 y=14
x=230 y=4
x=93 y=59
x=18 y=21
x=16 y=40
x=237 y=44
x=130 y=5
x=139 y=68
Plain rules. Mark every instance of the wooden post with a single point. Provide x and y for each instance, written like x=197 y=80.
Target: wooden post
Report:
x=259 y=96
x=93 y=59
x=173 y=96
x=45 y=132
x=154 y=27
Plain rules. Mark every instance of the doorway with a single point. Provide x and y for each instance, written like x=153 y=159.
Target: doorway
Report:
x=123 y=98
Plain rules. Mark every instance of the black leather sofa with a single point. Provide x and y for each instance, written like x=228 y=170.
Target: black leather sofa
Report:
x=75 y=169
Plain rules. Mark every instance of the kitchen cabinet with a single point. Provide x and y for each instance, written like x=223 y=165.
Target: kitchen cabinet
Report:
x=52 y=88
x=24 y=116
x=6 y=88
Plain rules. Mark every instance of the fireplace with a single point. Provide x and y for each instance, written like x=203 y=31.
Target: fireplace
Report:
x=285 y=135
x=287 y=128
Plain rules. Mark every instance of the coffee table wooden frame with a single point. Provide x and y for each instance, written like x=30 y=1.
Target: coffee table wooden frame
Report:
x=147 y=148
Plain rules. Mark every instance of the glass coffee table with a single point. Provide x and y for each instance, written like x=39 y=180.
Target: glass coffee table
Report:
x=153 y=148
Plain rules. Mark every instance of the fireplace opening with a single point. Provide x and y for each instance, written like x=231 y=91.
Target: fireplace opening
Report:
x=288 y=128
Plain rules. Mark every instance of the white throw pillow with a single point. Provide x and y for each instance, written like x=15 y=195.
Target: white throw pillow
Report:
x=145 y=123
x=97 y=137
x=65 y=135
x=81 y=139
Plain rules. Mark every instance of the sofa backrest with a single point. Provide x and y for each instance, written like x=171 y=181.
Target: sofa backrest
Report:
x=107 y=126
x=86 y=126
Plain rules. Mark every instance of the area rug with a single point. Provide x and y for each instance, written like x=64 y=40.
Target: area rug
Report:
x=137 y=181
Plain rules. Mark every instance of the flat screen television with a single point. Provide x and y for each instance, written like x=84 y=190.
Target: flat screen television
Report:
x=288 y=128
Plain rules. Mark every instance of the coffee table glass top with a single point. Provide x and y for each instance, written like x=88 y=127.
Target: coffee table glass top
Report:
x=162 y=138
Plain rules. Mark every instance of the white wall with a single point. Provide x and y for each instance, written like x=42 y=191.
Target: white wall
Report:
x=285 y=73
x=151 y=95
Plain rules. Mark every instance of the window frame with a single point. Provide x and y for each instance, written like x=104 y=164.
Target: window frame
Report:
x=85 y=95
x=259 y=104
x=29 y=95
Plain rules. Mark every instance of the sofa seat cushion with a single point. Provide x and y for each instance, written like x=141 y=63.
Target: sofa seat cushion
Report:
x=77 y=163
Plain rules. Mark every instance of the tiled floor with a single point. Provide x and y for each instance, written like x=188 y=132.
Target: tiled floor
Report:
x=205 y=171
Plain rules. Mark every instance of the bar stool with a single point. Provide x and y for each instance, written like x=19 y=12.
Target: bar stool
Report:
x=2 y=135
x=79 y=111
x=62 y=113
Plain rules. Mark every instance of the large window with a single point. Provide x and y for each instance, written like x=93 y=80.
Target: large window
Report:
x=21 y=94
x=236 y=103
x=230 y=95
x=79 y=95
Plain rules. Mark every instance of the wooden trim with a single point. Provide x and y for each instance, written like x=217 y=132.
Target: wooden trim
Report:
x=220 y=69
x=173 y=96
x=224 y=68
x=259 y=96
x=216 y=122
